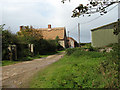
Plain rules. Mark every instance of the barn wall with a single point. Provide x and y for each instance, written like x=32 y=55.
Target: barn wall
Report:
x=103 y=37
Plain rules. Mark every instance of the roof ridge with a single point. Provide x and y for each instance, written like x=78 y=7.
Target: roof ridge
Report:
x=103 y=26
x=61 y=28
x=51 y=28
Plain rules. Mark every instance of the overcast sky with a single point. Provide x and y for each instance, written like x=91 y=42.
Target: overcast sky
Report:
x=40 y=13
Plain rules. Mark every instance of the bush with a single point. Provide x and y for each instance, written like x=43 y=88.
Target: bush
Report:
x=40 y=46
x=70 y=51
x=109 y=68
x=23 y=51
x=89 y=47
x=44 y=46
x=79 y=53
x=8 y=38
x=25 y=37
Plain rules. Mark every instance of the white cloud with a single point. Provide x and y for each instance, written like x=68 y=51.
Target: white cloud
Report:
x=1 y=13
x=40 y=13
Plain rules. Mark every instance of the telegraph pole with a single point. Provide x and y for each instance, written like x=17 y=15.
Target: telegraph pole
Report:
x=68 y=33
x=68 y=39
x=79 y=34
x=118 y=24
x=119 y=11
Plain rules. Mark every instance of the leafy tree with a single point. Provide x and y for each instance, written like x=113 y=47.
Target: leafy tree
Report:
x=1 y=27
x=95 y=6
x=44 y=46
x=59 y=47
x=57 y=39
x=92 y=7
x=34 y=36
x=29 y=35
x=8 y=38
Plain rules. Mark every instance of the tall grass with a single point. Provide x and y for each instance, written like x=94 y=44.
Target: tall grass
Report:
x=77 y=69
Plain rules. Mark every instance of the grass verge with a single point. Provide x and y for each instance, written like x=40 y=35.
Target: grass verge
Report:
x=78 y=70
x=8 y=62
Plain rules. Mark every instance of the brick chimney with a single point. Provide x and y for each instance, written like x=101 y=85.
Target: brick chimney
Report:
x=49 y=25
x=21 y=27
x=31 y=27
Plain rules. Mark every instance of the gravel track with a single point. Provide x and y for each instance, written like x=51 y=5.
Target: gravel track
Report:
x=16 y=75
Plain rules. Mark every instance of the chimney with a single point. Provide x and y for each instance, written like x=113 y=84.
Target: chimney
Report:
x=49 y=26
x=21 y=27
x=31 y=27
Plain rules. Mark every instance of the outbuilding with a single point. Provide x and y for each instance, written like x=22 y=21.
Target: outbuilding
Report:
x=105 y=35
x=71 y=42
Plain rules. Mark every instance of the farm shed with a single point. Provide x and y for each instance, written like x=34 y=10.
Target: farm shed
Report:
x=105 y=35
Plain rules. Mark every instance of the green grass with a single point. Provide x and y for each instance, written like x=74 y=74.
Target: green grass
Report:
x=78 y=70
x=7 y=62
x=28 y=58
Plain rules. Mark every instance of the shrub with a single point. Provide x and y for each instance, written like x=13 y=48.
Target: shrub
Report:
x=90 y=54
x=69 y=51
x=44 y=46
x=22 y=40
x=23 y=51
x=58 y=46
x=8 y=38
x=77 y=52
x=109 y=67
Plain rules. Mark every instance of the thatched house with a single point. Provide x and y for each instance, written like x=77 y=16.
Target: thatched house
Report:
x=51 y=34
